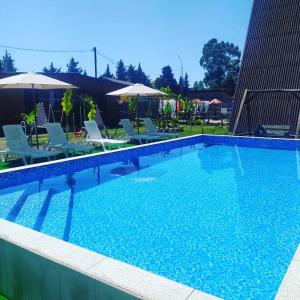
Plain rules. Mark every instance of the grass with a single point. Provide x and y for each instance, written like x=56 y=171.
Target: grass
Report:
x=187 y=131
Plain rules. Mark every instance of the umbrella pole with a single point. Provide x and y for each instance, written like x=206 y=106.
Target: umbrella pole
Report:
x=137 y=114
x=35 y=117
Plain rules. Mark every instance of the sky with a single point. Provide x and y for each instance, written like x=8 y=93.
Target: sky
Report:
x=152 y=32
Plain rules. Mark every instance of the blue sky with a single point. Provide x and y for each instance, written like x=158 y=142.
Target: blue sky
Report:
x=152 y=32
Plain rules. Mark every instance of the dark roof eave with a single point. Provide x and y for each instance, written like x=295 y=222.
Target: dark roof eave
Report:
x=127 y=83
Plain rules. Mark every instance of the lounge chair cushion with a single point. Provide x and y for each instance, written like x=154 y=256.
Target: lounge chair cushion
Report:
x=273 y=130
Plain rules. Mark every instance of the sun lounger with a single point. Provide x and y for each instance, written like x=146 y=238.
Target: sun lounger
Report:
x=94 y=136
x=273 y=131
x=132 y=135
x=152 y=130
x=57 y=139
x=17 y=144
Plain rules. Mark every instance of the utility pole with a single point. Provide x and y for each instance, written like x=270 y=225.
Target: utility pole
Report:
x=95 y=61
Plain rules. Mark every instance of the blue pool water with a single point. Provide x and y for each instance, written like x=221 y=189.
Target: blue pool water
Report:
x=222 y=219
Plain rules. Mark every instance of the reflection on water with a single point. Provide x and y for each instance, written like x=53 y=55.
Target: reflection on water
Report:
x=71 y=182
x=87 y=179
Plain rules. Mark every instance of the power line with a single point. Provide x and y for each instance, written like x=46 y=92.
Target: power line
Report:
x=115 y=63
x=44 y=50
x=103 y=55
x=111 y=60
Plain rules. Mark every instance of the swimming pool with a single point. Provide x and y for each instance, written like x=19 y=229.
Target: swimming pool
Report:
x=220 y=214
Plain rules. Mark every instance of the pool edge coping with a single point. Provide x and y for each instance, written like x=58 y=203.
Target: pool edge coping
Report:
x=57 y=161
x=290 y=285
x=119 y=275
x=84 y=156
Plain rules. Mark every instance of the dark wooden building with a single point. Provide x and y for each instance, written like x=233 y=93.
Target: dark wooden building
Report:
x=13 y=102
x=271 y=60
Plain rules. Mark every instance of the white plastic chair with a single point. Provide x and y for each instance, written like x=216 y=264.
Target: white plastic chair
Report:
x=152 y=130
x=18 y=145
x=94 y=136
x=131 y=134
x=57 y=139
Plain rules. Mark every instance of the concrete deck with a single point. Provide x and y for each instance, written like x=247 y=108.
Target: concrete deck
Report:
x=290 y=286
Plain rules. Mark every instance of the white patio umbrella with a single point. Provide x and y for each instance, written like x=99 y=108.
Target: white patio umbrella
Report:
x=138 y=90
x=33 y=81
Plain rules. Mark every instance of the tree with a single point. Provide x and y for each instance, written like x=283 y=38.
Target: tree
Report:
x=93 y=109
x=141 y=76
x=30 y=118
x=137 y=75
x=198 y=85
x=66 y=103
x=84 y=72
x=121 y=70
x=51 y=69
x=8 y=63
x=186 y=84
x=168 y=109
x=132 y=104
x=168 y=93
x=180 y=84
x=167 y=80
x=1 y=66
x=131 y=74
x=107 y=72
x=73 y=66
x=220 y=59
x=229 y=83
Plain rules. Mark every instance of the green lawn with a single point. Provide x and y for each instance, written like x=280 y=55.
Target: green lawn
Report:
x=187 y=131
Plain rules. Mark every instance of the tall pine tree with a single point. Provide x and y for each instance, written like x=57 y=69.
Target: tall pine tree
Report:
x=198 y=85
x=107 y=72
x=131 y=74
x=121 y=70
x=186 y=84
x=51 y=69
x=167 y=80
x=73 y=66
x=141 y=76
x=181 y=85
x=8 y=63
